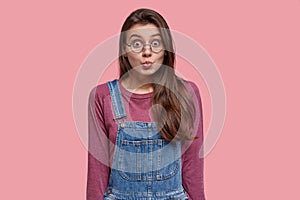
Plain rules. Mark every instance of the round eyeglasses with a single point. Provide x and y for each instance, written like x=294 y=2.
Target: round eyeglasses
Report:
x=137 y=46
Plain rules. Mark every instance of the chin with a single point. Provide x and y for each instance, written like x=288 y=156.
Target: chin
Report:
x=147 y=70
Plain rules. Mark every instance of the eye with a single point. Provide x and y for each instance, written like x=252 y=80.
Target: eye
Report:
x=156 y=43
x=136 y=43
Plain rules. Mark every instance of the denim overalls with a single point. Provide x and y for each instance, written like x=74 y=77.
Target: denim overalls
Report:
x=145 y=165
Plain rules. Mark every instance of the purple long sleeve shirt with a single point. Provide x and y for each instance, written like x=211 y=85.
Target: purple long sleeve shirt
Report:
x=102 y=137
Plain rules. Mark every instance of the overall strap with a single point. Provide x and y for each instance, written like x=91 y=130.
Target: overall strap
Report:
x=116 y=99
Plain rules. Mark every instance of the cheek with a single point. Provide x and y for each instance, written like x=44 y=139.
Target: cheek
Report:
x=160 y=58
x=132 y=60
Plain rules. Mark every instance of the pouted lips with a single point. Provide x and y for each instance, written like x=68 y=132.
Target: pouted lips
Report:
x=147 y=64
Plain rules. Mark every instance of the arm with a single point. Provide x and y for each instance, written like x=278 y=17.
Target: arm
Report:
x=192 y=160
x=98 y=156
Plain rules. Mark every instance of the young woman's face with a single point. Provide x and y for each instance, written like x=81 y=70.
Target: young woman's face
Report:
x=145 y=51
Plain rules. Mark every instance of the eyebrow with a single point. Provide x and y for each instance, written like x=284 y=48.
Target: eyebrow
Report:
x=136 y=35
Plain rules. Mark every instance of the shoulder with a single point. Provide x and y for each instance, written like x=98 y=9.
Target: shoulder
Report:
x=191 y=87
x=193 y=91
x=100 y=92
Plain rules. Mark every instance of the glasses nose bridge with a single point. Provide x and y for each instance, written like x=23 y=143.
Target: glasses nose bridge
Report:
x=147 y=50
x=144 y=47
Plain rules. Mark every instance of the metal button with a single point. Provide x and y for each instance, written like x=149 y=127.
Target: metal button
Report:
x=122 y=125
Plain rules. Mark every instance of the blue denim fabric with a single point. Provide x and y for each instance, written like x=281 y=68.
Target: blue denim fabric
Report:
x=116 y=99
x=145 y=165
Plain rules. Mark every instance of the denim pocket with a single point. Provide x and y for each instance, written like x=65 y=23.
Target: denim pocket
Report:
x=141 y=160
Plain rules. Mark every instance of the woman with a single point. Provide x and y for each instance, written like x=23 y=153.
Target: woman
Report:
x=145 y=128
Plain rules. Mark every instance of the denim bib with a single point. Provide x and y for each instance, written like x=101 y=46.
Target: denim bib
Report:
x=145 y=165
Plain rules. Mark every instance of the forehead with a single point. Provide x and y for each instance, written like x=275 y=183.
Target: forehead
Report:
x=144 y=31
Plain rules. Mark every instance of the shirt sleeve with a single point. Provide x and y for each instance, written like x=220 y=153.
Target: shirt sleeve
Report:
x=192 y=158
x=98 y=154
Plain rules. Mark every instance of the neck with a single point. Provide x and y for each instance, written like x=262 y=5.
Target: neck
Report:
x=139 y=85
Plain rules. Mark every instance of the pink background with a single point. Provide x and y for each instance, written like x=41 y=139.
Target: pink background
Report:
x=255 y=44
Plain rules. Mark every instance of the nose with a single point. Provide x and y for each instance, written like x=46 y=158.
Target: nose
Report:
x=147 y=51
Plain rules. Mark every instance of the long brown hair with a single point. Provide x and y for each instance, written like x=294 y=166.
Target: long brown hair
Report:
x=176 y=113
